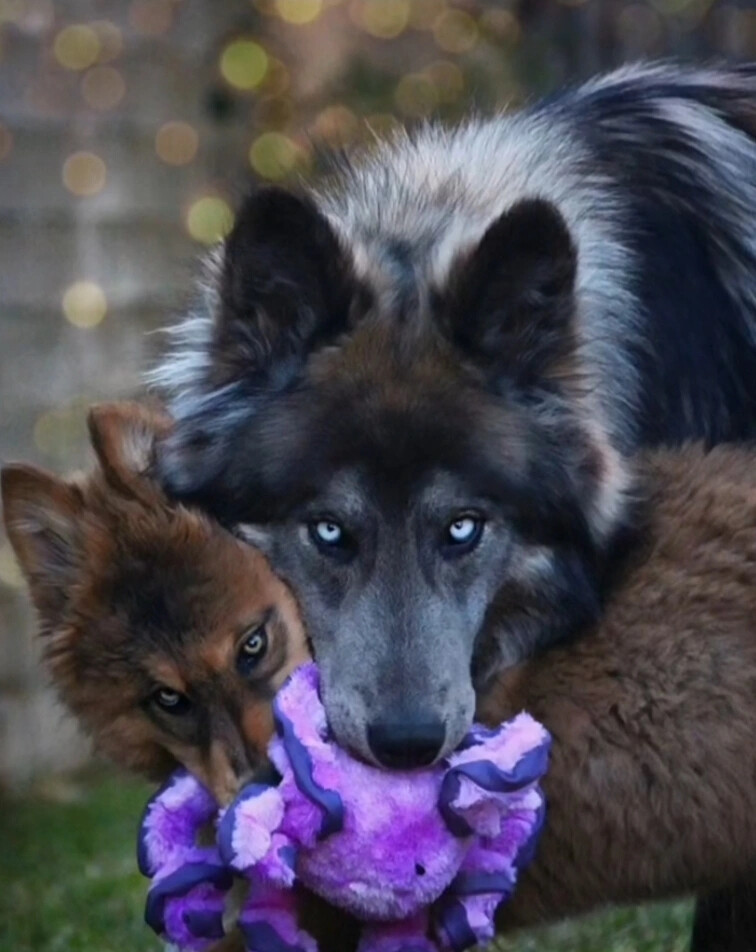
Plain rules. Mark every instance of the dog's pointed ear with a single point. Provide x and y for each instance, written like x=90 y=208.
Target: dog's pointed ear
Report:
x=510 y=302
x=285 y=284
x=124 y=437
x=41 y=513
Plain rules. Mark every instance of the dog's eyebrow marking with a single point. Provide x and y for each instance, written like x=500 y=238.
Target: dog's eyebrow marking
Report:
x=163 y=671
x=219 y=651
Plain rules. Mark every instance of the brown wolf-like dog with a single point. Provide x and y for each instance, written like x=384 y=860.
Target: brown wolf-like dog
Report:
x=164 y=635
x=652 y=782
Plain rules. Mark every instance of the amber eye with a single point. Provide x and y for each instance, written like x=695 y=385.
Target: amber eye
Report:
x=253 y=649
x=170 y=701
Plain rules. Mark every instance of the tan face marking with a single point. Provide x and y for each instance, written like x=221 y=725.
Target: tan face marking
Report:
x=221 y=776
x=257 y=725
x=165 y=673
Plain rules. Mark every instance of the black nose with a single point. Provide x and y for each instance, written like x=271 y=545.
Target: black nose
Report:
x=406 y=742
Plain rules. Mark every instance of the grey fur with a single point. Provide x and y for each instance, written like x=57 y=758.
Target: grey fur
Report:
x=406 y=213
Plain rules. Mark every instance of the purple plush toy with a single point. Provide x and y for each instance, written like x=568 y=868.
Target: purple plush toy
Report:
x=423 y=857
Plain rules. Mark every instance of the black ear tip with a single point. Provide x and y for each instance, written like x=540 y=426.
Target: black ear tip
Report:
x=541 y=224
x=270 y=208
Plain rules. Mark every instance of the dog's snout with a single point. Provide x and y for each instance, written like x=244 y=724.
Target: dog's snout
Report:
x=413 y=741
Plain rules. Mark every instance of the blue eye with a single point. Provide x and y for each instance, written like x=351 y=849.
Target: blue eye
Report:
x=332 y=540
x=326 y=532
x=462 y=530
x=463 y=534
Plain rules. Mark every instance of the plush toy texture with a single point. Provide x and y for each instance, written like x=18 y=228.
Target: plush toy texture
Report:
x=424 y=857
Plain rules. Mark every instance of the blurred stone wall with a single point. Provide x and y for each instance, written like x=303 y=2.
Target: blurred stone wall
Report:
x=94 y=252
x=129 y=127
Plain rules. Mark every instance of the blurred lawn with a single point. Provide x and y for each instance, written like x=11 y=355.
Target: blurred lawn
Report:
x=69 y=883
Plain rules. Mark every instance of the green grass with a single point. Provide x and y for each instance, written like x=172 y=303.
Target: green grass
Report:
x=69 y=883
x=68 y=876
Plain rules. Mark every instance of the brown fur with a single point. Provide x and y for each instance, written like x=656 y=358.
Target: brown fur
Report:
x=133 y=592
x=652 y=783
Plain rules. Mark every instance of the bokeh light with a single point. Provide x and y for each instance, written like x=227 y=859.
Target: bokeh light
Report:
x=299 y=12
x=209 y=219
x=274 y=155
x=243 y=64
x=111 y=40
x=57 y=430
x=384 y=19
x=277 y=77
x=176 y=142
x=455 y=31
x=501 y=25
x=424 y=13
x=275 y=112
x=415 y=95
x=151 y=17
x=336 y=125
x=448 y=80
x=84 y=174
x=84 y=304
x=77 y=47
x=6 y=142
x=10 y=571
x=103 y=88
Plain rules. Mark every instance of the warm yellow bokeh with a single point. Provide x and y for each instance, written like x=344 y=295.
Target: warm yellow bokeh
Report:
x=77 y=47
x=209 y=219
x=455 y=31
x=84 y=304
x=277 y=77
x=111 y=40
x=10 y=571
x=176 y=142
x=298 y=12
x=57 y=430
x=274 y=155
x=415 y=95
x=84 y=174
x=385 y=19
x=337 y=125
x=502 y=24
x=424 y=13
x=243 y=64
x=448 y=80
x=103 y=88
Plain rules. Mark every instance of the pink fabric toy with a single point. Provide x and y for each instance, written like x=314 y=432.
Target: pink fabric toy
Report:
x=424 y=857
